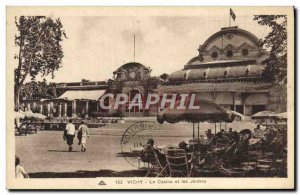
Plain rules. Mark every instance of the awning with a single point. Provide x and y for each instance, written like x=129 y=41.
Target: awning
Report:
x=82 y=95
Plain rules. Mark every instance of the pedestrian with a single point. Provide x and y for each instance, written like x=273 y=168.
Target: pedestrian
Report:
x=20 y=171
x=84 y=133
x=69 y=134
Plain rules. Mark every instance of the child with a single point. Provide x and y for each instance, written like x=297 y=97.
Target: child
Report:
x=20 y=171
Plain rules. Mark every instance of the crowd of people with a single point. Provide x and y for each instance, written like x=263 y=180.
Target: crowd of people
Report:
x=231 y=146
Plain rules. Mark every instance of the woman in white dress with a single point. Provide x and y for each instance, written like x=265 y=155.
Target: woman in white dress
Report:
x=83 y=129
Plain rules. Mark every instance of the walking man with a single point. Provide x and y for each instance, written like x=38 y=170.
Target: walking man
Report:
x=70 y=134
x=83 y=130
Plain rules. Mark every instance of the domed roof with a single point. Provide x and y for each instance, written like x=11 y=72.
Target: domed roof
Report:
x=241 y=43
x=132 y=65
x=231 y=30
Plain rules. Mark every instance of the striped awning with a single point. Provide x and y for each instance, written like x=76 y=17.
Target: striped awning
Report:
x=82 y=95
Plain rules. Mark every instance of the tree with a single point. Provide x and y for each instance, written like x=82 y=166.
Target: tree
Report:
x=276 y=41
x=164 y=77
x=37 y=90
x=40 y=52
x=85 y=80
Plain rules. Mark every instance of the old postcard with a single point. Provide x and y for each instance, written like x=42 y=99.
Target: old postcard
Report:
x=150 y=98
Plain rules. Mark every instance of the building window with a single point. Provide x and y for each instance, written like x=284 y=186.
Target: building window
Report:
x=245 y=52
x=214 y=55
x=229 y=53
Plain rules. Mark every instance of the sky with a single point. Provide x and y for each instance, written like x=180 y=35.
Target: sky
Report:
x=97 y=45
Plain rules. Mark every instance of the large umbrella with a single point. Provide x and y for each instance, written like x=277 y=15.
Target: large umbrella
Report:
x=39 y=116
x=27 y=113
x=239 y=116
x=208 y=111
x=30 y=114
x=265 y=115
x=19 y=115
x=282 y=116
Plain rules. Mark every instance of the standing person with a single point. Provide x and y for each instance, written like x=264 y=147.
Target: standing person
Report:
x=83 y=131
x=20 y=171
x=70 y=134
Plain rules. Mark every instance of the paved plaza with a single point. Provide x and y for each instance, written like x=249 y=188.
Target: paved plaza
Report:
x=45 y=154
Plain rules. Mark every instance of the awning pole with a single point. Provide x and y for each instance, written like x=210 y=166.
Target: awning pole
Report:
x=215 y=128
x=198 y=133
x=193 y=130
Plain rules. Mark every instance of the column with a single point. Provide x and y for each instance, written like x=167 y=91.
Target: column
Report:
x=244 y=103
x=51 y=108
x=48 y=109
x=74 y=108
x=98 y=106
x=87 y=108
x=41 y=108
x=233 y=98
x=59 y=110
x=66 y=110
x=28 y=107
x=129 y=100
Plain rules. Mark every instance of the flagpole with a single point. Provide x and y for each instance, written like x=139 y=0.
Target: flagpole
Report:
x=229 y=19
x=134 y=47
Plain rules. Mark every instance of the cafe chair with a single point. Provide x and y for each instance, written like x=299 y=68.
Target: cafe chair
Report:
x=155 y=167
x=178 y=163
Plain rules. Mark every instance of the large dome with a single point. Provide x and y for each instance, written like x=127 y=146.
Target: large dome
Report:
x=230 y=53
x=132 y=65
x=230 y=43
x=132 y=71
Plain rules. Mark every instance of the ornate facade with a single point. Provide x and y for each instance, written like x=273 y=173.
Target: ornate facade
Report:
x=227 y=71
x=131 y=79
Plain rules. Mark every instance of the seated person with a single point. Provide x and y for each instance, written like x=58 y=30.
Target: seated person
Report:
x=229 y=133
x=183 y=145
x=258 y=132
x=147 y=151
x=209 y=135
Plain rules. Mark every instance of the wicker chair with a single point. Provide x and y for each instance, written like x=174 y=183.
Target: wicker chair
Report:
x=177 y=162
x=155 y=167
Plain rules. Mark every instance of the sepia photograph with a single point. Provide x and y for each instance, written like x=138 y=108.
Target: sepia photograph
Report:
x=150 y=97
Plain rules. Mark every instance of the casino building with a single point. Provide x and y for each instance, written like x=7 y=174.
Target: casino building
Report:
x=227 y=70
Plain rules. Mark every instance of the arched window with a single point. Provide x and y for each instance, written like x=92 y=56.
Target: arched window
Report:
x=214 y=55
x=229 y=53
x=245 y=52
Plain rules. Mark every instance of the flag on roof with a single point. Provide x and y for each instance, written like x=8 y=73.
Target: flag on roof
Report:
x=232 y=14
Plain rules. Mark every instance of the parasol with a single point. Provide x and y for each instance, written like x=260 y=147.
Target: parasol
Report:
x=264 y=115
x=27 y=113
x=282 y=116
x=19 y=115
x=39 y=116
x=30 y=114
x=208 y=111
x=239 y=116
